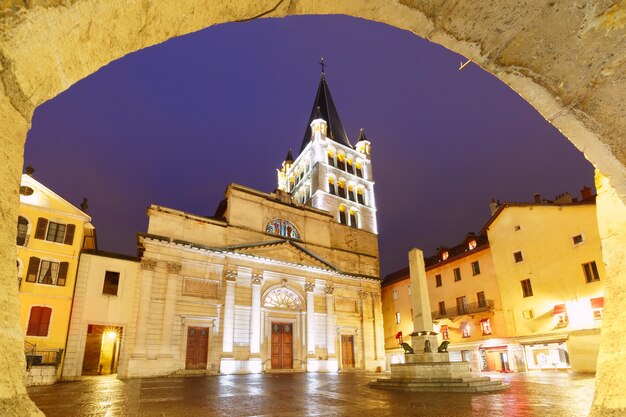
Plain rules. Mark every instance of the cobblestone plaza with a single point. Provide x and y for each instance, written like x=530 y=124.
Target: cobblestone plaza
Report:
x=531 y=394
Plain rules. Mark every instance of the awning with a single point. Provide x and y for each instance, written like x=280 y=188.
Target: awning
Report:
x=597 y=302
x=559 y=308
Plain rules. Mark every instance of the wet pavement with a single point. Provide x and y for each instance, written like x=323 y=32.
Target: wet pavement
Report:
x=281 y=395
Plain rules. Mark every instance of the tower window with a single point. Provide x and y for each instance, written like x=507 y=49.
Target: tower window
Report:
x=350 y=167
x=351 y=193
x=359 y=169
x=341 y=161
x=359 y=195
x=342 y=189
x=342 y=214
x=353 y=219
x=331 y=158
x=331 y=186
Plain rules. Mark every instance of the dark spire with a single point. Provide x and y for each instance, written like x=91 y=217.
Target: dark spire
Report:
x=324 y=108
x=289 y=157
x=361 y=136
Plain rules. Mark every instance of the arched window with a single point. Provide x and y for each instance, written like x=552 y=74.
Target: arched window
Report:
x=22 y=231
x=359 y=169
x=353 y=219
x=283 y=298
x=341 y=161
x=331 y=186
x=342 y=214
x=349 y=165
x=282 y=227
x=342 y=188
x=360 y=193
x=331 y=157
x=351 y=192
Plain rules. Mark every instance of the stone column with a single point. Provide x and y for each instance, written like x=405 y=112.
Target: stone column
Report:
x=169 y=308
x=330 y=322
x=423 y=334
x=255 y=315
x=14 y=400
x=379 y=336
x=609 y=399
x=309 y=287
x=145 y=295
x=228 y=327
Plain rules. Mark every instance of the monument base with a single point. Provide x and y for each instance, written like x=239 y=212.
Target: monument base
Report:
x=433 y=372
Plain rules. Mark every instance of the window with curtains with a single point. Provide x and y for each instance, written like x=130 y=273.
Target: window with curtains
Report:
x=47 y=272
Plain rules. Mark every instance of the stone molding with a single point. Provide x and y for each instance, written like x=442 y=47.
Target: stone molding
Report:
x=256 y=279
x=173 y=267
x=329 y=289
x=309 y=286
x=230 y=275
x=148 y=264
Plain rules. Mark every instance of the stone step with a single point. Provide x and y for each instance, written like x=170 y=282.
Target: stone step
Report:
x=482 y=384
x=440 y=384
x=466 y=379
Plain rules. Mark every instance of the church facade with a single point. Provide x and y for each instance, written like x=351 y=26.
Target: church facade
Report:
x=274 y=282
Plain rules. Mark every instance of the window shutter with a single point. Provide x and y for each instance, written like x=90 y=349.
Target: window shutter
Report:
x=44 y=321
x=33 y=268
x=42 y=225
x=33 y=321
x=62 y=273
x=69 y=234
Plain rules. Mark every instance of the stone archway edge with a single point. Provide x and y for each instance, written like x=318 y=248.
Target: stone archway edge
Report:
x=565 y=58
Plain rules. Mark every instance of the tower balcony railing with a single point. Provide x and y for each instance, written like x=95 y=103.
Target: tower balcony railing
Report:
x=462 y=310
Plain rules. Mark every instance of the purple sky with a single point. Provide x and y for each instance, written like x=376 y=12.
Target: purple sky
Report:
x=175 y=123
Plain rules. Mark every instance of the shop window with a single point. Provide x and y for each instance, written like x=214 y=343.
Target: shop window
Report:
x=527 y=289
x=561 y=319
x=444 y=332
x=111 y=283
x=438 y=280
x=457 y=274
x=465 y=329
x=485 y=326
x=591 y=272
x=475 y=268
x=597 y=307
x=39 y=321
x=518 y=257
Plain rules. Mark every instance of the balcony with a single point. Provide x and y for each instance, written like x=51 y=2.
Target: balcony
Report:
x=457 y=311
x=22 y=239
x=41 y=357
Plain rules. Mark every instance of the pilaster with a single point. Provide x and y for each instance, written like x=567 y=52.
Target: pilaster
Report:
x=147 y=268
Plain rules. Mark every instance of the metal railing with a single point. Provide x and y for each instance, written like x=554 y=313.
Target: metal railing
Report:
x=22 y=239
x=462 y=310
x=42 y=357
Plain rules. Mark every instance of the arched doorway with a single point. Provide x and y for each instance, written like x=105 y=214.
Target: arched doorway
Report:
x=45 y=50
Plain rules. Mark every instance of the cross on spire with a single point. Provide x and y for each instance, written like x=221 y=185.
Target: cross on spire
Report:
x=323 y=65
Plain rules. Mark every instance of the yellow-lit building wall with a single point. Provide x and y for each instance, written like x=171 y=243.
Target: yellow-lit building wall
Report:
x=552 y=261
x=399 y=303
x=37 y=201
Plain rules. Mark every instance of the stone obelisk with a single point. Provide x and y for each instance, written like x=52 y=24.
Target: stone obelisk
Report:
x=423 y=338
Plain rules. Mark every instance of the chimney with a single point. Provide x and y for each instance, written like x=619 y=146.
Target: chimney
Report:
x=493 y=206
x=586 y=193
x=537 y=198
x=564 y=198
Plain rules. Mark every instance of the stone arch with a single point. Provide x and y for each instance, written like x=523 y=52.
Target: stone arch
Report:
x=46 y=47
x=284 y=297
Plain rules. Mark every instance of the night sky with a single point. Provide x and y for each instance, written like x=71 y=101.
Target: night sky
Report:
x=176 y=123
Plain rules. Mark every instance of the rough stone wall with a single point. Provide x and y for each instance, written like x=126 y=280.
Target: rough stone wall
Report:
x=565 y=58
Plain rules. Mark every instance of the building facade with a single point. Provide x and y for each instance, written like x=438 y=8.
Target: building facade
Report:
x=51 y=232
x=524 y=294
x=101 y=313
x=273 y=282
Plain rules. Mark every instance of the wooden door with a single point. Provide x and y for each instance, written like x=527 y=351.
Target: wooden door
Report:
x=197 y=347
x=282 y=346
x=347 y=351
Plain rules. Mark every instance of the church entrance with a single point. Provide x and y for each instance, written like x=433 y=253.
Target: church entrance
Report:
x=197 y=347
x=347 y=351
x=282 y=346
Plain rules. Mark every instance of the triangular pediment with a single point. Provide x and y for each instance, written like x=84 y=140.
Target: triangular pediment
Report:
x=284 y=251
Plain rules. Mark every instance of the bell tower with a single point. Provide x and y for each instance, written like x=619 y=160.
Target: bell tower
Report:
x=330 y=173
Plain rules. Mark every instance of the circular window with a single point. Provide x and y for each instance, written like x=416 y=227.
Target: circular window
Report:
x=24 y=190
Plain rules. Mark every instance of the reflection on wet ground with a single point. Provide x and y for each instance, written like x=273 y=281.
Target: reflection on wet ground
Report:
x=531 y=394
